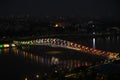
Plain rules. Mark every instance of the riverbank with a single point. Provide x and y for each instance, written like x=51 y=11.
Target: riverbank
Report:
x=74 y=35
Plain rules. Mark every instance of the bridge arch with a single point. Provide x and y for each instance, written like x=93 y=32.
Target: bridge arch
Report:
x=54 y=42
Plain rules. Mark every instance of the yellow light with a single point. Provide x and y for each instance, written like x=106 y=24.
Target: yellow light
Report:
x=56 y=25
x=6 y=45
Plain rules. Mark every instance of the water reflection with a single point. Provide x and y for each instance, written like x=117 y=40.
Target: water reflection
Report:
x=94 y=43
x=51 y=60
x=0 y=51
x=110 y=43
x=4 y=50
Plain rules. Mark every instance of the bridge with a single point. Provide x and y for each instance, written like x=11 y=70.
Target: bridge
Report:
x=55 y=42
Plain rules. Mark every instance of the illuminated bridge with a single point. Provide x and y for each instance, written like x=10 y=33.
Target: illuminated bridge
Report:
x=54 y=42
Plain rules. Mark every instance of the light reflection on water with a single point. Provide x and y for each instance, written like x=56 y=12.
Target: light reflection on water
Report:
x=0 y=51
x=51 y=60
x=94 y=43
x=54 y=52
x=109 y=43
x=4 y=50
x=60 y=63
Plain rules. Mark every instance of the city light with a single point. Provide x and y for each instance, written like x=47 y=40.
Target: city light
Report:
x=56 y=25
x=26 y=78
x=37 y=76
x=6 y=45
x=1 y=46
x=13 y=45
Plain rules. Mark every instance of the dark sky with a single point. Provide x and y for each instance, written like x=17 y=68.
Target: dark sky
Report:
x=89 y=8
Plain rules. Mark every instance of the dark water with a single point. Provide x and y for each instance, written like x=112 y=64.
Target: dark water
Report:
x=109 y=43
x=17 y=64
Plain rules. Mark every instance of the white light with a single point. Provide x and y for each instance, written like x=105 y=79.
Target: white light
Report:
x=56 y=71
x=13 y=45
x=93 y=32
x=93 y=25
x=94 y=43
x=37 y=76
x=26 y=79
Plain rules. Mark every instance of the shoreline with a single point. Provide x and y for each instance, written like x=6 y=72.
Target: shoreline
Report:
x=66 y=35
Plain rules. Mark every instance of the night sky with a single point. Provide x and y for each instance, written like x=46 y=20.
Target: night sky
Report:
x=83 y=8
